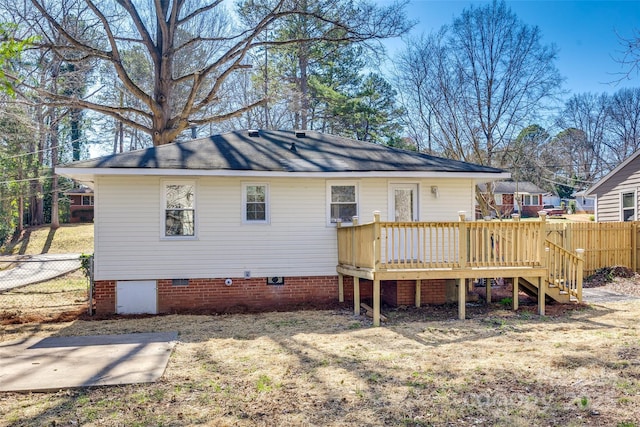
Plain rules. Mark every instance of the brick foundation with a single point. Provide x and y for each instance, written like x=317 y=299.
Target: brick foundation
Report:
x=243 y=295
x=255 y=295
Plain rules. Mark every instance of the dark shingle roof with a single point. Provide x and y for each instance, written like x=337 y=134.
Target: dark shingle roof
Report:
x=281 y=151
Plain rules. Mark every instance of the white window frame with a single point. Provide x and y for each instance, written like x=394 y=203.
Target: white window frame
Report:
x=635 y=204
x=163 y=207
x=331 y=184
x=91 y=201
x=267 y=203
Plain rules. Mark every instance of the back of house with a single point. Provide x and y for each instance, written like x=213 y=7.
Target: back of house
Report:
x=246 y=220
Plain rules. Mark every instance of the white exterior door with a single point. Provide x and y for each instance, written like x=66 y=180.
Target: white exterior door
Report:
x=404 y=208
x=136 y=297
x=404 y=202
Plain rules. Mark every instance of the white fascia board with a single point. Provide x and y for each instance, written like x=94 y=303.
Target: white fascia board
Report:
x=84 y=173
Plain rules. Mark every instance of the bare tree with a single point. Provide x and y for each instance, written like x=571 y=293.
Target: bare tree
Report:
x=630 y=54
x=184 y=93
x=581 y=147
x=624 y=114
x=474 y=85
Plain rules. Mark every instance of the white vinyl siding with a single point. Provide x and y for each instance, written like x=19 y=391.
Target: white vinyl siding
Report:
x=608 y=202
x=297 y=242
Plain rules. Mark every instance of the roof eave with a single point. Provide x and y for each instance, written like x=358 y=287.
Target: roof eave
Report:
x=87 y=175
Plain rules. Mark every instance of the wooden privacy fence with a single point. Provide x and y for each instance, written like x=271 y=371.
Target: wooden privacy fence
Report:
x=606 y=244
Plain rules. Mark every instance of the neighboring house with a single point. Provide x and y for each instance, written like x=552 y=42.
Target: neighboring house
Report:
x=246 y=220
x=583 y=204
x=551 y=199
x=80 y=204
x=616 y=194
x=508 y=197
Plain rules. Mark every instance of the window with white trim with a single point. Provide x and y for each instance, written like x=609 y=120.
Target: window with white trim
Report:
x=255 y=202
x=343 y=202
x=179 y=209
x=628 y=203
x=86 y=200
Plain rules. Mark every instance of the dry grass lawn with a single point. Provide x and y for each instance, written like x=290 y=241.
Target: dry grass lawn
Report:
x=330 y=368
x=68 y=238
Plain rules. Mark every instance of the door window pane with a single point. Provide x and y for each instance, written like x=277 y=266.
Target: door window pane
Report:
x=403 y=199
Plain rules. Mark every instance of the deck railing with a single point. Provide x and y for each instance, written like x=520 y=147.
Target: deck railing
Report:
x=432 y=245
x=565 y=269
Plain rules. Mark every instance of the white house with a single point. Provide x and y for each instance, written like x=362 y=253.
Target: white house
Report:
x=246 y=220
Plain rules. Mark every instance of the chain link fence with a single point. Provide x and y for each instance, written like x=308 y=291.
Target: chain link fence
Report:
x=40 y=287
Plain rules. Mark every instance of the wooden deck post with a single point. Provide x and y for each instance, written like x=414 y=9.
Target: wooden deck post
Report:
x=463 y=241
x=487 y=288
x=542 y=237
x=418 y=292
x=462 y=292
x=516 y=291
x=542 y=281
x=541 y=295
x=356 y=295
x=580 y=273
x=340 y=287
x=376 y=301
x=377 y=251
x=354 y=243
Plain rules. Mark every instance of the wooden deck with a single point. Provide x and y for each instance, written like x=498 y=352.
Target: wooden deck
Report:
x=457 y=250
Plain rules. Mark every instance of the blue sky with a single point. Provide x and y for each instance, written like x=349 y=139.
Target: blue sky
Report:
x=585 y=32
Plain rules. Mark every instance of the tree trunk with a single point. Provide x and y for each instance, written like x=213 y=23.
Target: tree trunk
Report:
x=303 y=62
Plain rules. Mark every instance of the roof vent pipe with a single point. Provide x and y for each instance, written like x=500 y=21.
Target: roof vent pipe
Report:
x=254 y=133
x=293 y=147
x=194 y=132
x=300 y=134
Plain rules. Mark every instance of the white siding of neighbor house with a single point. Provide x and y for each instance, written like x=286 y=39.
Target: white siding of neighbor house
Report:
x=296 y=242
x=608 y=200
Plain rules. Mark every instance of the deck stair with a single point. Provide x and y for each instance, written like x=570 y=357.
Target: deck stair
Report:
x=556 y=293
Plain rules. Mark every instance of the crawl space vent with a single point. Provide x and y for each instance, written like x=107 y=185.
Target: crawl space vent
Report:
x=275 y=280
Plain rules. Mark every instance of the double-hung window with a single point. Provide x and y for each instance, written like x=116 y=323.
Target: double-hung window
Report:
x=179 y=209
x=628 y=204
x=87 y=200
x=343 y=202
x=255 y=203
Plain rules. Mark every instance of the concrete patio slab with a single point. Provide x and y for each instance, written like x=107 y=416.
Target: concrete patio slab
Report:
x=595 y=295
x=54 y=363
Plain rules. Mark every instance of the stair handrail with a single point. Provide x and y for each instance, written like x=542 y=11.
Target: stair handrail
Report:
x=565 y=269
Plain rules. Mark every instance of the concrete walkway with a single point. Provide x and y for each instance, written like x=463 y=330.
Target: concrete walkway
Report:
x=36 y=268
x=54 y=363
x=597 y=295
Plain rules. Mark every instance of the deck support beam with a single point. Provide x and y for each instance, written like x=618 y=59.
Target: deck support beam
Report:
x=356 y=295
x=516 y=292
x=340 y=287
x=418 y=292
x=541 y=296
x=462 y=292
x=376 y=302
